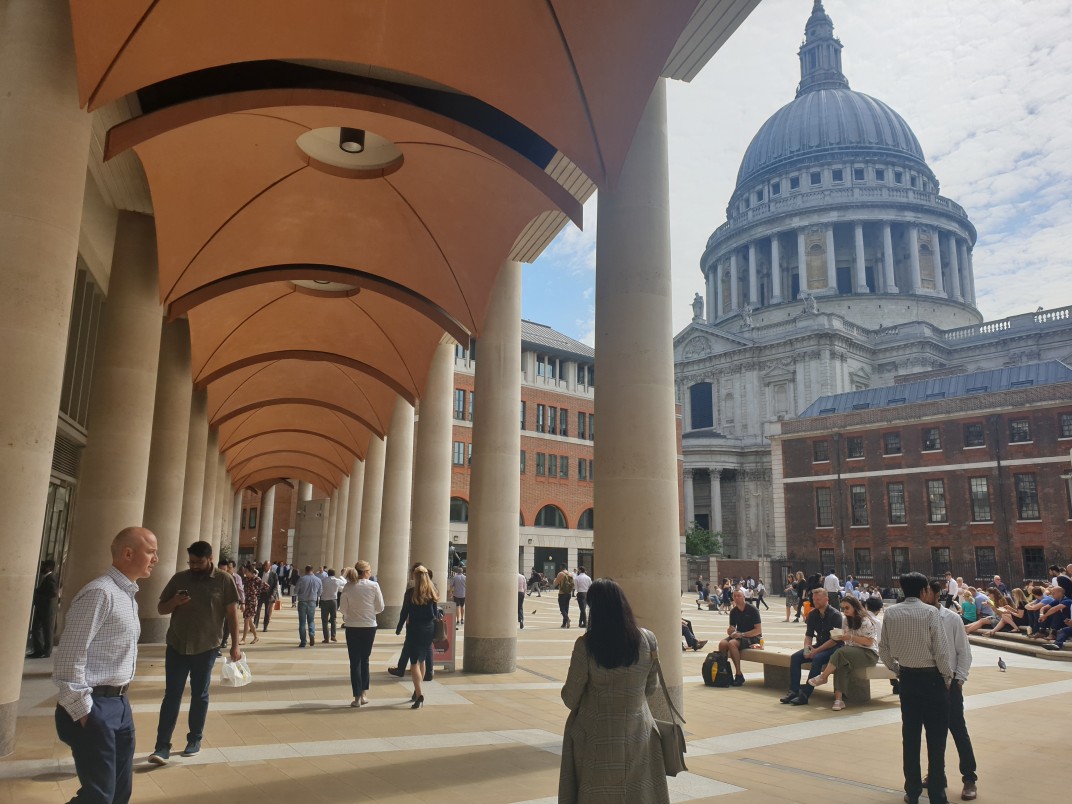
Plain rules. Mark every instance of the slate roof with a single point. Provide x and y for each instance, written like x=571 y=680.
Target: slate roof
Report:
x=544 y=339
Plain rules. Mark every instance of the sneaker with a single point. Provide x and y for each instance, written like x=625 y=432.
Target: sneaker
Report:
x=738 y=681
x=302 y=645
x=700 y=644
x=355 y=703
x=1053 y=646
x=193 y=748
x=969 y=793
x=160 y=756
x=838 y=706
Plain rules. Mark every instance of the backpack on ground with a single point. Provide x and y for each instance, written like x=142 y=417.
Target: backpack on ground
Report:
x=566 y=585
x=716 y=670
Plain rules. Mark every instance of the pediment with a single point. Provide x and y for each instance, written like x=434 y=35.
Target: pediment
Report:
x=702 y=340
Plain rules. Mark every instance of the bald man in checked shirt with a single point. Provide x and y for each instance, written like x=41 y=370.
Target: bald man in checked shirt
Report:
x=95 y=663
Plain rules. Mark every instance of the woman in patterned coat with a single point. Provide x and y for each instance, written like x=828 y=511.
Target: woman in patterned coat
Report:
x=611 y=750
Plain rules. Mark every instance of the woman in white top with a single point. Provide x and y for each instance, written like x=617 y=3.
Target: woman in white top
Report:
x=361 y=602
x=859 y=650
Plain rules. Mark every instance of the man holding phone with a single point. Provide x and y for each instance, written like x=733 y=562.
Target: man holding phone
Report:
x=200 y=600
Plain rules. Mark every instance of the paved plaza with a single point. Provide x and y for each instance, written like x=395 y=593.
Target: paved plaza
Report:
x=291 y=736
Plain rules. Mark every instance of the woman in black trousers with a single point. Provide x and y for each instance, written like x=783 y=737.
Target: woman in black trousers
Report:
x=362 y=600
x=419 y=612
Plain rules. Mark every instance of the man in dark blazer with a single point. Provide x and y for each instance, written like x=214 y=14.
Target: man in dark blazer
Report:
x=44 y=611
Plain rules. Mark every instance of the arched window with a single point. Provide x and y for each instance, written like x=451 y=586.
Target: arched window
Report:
x=701 y=406
x=459 y=510
x=586 y=520
x=550 y=517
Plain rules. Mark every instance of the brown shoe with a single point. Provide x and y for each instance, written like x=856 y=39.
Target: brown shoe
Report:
x=969 y=792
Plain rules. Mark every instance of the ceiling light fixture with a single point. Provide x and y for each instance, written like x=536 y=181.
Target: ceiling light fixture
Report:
x=352 y=140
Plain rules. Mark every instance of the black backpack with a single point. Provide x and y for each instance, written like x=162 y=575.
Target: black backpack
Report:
x=716 y=670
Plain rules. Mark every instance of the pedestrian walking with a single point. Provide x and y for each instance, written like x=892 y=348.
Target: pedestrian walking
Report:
x=362 y=600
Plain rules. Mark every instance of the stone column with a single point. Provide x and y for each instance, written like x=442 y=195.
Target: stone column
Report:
x=339 y=550
x=776 y=270
x=954 y=267
x=193 y=489
x=236 y=523
x=353 y=514
x=397 y=506
x=305 y=491
x=735 y=293
x=430 y=539
x=802 y=262
x=887 y=259
x=266 y=526
x=494 y=490
x=167 y=466
x=970 y=274
x=720 y=301
x=831 y=260
x=861 y=269
x=111 y=489
x=635 y=454
x=44 y=141
x=217 y=504
x=939 y=281
x=372 y=504
x=226 y=494
x=753 y=279
x=913 y=258
x=716 y=500
x=327 y=543
x=690 y=499
x=208 y=493
x=714 y=293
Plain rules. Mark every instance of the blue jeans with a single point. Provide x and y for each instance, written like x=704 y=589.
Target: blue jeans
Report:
x=306 y=619
x=818 y=662
x=103 y=750
x=177 y=668
x=1062 y=636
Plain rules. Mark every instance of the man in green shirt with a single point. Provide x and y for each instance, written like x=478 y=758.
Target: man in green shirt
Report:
x=200 y=601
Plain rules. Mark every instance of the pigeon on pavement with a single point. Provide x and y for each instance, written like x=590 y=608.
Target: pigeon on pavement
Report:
x=1001 y=665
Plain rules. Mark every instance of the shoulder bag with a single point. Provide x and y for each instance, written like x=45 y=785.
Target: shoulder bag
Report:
x=671 y=735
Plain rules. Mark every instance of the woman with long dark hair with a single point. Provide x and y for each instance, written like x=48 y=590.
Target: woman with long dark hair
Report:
x=611 y=749
x=859 y=650
x=419 y=609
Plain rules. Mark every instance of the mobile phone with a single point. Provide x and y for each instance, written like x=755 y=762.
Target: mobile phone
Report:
x=184 y=592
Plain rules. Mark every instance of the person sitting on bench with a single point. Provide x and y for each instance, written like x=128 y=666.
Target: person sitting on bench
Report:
x=745 y=631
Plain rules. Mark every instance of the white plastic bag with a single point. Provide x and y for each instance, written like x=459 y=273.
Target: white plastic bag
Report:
x=235 y=674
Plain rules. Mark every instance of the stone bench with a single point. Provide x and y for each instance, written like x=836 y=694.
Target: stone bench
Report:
x=776 y=662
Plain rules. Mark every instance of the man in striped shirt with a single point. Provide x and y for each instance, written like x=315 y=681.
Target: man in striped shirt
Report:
x=914 y=646
x=95 y=663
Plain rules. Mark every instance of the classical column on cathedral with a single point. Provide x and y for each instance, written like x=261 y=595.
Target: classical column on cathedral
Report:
x=690 y=499
x=639 y=545
x=954 y=267
x=397 y=508
x=167 y=465
x=913 y=258
x=887 y=259
x=720 y=301
x=831 y=260
x=970 y=273
x=753 y=276
x=735 y=293
x=776 y=269
x=861 y=270
x=716 y=500
x=939 y=284
x=802 y=262
x=714 y=293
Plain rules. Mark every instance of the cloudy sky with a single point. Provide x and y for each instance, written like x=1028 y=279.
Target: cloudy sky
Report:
x=986 y=86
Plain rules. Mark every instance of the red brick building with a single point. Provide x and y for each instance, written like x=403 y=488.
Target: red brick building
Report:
x=968 y=473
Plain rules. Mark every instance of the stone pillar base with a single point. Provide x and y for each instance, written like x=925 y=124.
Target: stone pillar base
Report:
x=153 y=629
x=9 y=713
x=388 y=618
x=657 y=704
x=490 y=655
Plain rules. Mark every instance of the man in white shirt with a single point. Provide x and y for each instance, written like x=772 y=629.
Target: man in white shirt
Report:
x=833 y=588
x=960 y=658
x=329 y=605
x=952 y=589
x=522 y=587
x=582 y=581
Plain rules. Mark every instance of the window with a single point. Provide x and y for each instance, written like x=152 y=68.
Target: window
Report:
x=522 y=414
x=858 y=496
x=824 y=515
x=563 y=422
x=580 y=425
x=459 y=510
x=541 y=366
x=1027 y=503
x=826 y=560
x=914 y=180
x=880 y=174
x=899 y=560
x=940 y=560
x=857 y=174
x=862 y=559
x=1019 y=431
x=563 y=466
x=458 y=455
x=591 y=427
x=895 y=493
x=582 y=469
x=759 y=196
x=794 y=182
x=837 y=174
x=701 y=406
x=974 y=435
x=1034 y=562
x=552 y=419
x=242 y=521
x=522 y=461
x=891 y=444
x=591 y=470
x=552 y=368
x=541 y=412
x=1066 y=425
x=776 y=188
x=986 y=562
x=469 y=458
x=898 y=177
x=936 y=501
x=980 y=499
x=855 y=447
x=586 y=521
x=541 y=464
x=472 y=403
x=932 y=439
x=550 y=517
x=816 y=178
x=820 y=451
x=552 y=465
x=252 y=517
x=459 y=404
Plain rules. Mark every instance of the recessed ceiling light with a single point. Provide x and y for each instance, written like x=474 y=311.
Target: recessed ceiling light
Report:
x=352 y=140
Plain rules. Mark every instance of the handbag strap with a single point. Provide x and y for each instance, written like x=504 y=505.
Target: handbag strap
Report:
x=662 y=683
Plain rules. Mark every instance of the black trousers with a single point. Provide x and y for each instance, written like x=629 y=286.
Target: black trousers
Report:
x=359 y=648
x=563 y=606
x=263 y=602
x=959 y=729
x=44 y=616
x=924 y=707
x=582 y=604
x=521 y=609
x=103 y=750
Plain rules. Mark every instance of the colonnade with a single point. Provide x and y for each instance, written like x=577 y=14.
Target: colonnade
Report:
x=715 y=476
x=128 y=476
x=759 y=273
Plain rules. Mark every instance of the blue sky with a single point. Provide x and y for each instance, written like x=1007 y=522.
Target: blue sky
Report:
x=985 y=86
